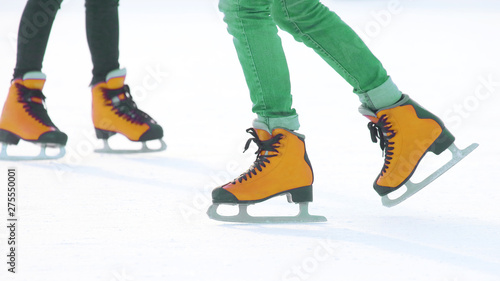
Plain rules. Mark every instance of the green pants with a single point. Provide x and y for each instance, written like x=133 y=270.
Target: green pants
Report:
x=253 y=26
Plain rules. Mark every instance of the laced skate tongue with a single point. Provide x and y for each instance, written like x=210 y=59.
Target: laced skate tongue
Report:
x=34 y=105
x=267 y=149
x=124 y=105
x=264 y=142
x=34 y=84
x=378 y=135
x=263 y=135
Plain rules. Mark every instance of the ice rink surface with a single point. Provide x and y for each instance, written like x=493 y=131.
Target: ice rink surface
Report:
x=142 y=217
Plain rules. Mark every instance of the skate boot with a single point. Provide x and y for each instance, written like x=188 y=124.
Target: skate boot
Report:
x=407 y=132
x=25 y=117
x=282 y=167
x=114 y=111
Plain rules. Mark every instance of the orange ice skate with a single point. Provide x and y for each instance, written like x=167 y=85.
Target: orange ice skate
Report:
x=407 y=132
x=282 y=167
x=114 y=111
x=25 y=117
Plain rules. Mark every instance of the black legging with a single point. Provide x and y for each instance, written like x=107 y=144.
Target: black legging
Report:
x=102 y=35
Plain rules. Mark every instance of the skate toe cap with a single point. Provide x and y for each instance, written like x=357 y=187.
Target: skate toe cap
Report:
x=384 y=186
x=53 y=137
x=154 y=132
x=221 y=195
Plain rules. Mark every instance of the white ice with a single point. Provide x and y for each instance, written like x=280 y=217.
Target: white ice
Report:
x=142 y=217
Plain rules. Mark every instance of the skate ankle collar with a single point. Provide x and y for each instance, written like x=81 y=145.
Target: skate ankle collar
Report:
x=34 y=75
x=116 y=73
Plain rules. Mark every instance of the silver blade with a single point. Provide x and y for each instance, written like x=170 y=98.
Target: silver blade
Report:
x=243 y=217
x=412 y=188
x=41 y=156
x=144 y=149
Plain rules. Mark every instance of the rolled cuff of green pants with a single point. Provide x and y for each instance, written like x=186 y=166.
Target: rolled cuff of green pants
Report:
x=290 y=123
x=384 y=95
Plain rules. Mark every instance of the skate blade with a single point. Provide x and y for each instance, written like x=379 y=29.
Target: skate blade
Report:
x=243 y=217
x=145 y=149
x=412 y=188
x=41 y=156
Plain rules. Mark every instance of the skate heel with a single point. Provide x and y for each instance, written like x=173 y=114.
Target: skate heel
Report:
x=444 y=141
x=103 y=134
x=8 y=137
x=299 y=195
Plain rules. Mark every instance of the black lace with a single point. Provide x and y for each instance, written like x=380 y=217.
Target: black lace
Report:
x=36 y=110
x=382 y=130
x=126 y=108
x=270 y=145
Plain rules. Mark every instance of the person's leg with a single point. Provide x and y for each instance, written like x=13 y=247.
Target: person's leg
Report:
x=282 y=165
x=263 y=61
x=113 y=108
x=316 y=26
x=24 y=114
x=406 y=130
x=33 y=35
x=102 y=35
